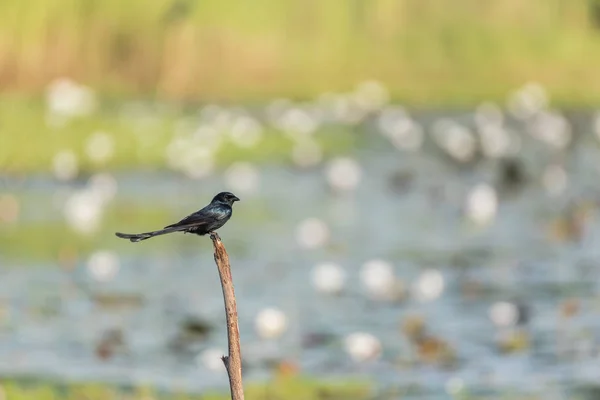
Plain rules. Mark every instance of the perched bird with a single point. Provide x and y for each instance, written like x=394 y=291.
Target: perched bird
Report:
x=207 y=220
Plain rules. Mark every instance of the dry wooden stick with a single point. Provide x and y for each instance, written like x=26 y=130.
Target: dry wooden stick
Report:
x=233 y=361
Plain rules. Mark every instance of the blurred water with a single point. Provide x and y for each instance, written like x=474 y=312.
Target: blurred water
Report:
x=408 y=209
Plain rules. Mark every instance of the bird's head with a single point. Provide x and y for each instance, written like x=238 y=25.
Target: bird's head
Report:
x=225 y=198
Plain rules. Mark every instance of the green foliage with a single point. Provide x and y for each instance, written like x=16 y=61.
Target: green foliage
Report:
x=429 y=52
x=286 y=388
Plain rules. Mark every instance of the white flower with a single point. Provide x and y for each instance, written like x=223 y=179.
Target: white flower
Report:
x=66 y=98
x=83 y=211
x=312 y=233
x=344 y=173
x=504 y=314
x=552 y=129
x=211 y=360
x=270 y=323
x=406 y=134
x=362 y=346
x=495 y=141
x=429 y=286
x=482 y=204
x=378 y=278
x=103 y=265
x=455 y=139
x=328 y=278
x=297 y=122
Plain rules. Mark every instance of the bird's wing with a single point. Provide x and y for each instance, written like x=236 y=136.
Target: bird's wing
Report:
x=205 y=216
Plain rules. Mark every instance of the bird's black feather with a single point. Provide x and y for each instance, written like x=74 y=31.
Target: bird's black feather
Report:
x=206 y=220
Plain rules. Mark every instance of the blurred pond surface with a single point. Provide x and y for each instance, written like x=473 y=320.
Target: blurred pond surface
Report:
x=418 y=267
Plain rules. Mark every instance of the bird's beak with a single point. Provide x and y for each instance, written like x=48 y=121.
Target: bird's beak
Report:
x=236 y=199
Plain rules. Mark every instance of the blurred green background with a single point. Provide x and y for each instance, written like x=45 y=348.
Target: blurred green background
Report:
x=427 y=52
x=171 y=98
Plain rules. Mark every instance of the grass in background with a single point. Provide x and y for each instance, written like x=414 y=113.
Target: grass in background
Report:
x=29 y=143
x=288 y=388
x=429 y=52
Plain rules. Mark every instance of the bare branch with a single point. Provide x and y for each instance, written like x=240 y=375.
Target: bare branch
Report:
x=233 y=362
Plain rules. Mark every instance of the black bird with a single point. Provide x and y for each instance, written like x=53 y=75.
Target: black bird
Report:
x=207 y=220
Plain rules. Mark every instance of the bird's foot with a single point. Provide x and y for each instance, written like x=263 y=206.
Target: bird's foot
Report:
x=214 y=236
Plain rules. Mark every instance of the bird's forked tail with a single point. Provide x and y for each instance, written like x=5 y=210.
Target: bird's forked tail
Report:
x=138 y=237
